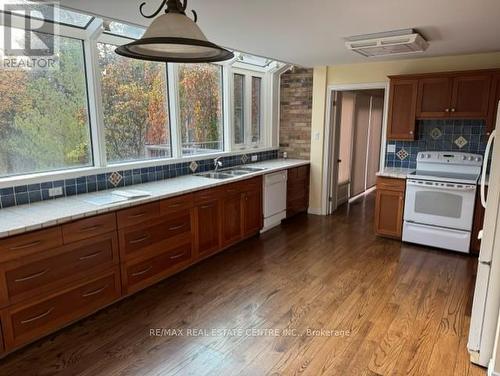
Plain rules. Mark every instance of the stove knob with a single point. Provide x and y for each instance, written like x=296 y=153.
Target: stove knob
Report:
x=478 y=159
x=464 y=158
x=471 y=159
x=428 y=155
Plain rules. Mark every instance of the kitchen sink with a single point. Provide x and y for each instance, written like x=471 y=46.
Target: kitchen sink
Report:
x=215 y=175
x=230 y=172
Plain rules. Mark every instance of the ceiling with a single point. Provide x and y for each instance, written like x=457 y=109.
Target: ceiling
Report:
x=311 y=33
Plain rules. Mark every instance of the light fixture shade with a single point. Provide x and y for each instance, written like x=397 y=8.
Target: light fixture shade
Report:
x=174 y=37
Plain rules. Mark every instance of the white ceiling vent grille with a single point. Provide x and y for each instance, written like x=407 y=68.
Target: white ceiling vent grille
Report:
x=391 y=43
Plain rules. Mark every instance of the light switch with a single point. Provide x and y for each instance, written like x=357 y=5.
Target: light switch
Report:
x=391 y=148
x=316 y=136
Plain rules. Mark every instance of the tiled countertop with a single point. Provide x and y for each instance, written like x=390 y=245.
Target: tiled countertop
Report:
x=20 y=219
x=393 y=172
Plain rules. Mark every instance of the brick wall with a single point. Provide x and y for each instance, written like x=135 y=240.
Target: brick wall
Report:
x=296 y=112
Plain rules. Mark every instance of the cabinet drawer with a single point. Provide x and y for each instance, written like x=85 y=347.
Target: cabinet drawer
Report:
x=176 y=204
x=33 y=242
x=37 y=275
x=25 y=322
x=133 y=240
x=254 y=184
x=140 y=274
x=138 y=214
x=207 y=195
x=391 y=184
x=89 y=227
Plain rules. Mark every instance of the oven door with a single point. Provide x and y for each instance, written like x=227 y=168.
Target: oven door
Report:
x=441 y=204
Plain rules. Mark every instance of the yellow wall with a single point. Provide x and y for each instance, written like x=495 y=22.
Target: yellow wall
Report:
x=370 y=72
x=317 y=138
x=378 y=71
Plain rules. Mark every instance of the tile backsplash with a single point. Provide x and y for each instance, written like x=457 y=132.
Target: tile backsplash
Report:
x=25 y=194
x=439 y=135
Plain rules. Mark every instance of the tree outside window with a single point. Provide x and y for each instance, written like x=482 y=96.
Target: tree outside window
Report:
x=200 y=104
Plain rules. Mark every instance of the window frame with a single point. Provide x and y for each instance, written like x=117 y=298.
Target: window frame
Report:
x=116 y=40
x=247 y=109
x=93 y=34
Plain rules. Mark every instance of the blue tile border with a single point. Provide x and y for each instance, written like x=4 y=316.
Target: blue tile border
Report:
x=451 y=129
x=25 y=194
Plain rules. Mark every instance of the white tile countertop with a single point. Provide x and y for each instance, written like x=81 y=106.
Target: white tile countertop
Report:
x=394 y=172
x=20 y=219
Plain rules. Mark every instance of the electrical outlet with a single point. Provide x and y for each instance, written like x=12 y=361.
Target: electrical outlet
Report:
x=255 y=158
x=57 y=191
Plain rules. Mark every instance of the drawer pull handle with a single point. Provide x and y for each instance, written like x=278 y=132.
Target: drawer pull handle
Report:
x=90 y=228
x=138 y=215
x=95 y=292
x=33 y=276
x=207 y=206
x=48 y=312
x=142 y=271
x=174 y=206
x=92 y=255
x=177 y=256
x=173 y=228
x=24 y=246
x=140 y=240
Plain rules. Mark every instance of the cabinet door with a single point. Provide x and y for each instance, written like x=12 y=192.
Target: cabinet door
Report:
x=434 y=97
x=231 y=217
x=252 y=211
x=402 y=109
x=493 y=108
x=471 y=96
x=389 y=213
x=208 y=227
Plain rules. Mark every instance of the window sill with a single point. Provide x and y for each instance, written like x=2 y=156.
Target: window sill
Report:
x=44 y=177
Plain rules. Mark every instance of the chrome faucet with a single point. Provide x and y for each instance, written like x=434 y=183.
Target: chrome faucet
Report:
x=217 y=163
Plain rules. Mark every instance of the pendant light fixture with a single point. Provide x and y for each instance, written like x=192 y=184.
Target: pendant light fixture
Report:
x=174 y=37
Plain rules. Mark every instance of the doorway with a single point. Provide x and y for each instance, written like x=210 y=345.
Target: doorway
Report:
x=357 y=123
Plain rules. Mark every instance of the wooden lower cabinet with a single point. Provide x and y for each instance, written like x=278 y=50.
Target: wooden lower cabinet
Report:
x=389 y=207
x=53 y=277
x=140 y=273
x=27 y=321
x=231 y=215
x=252 y=211
x=297 y=194
x=208 y=227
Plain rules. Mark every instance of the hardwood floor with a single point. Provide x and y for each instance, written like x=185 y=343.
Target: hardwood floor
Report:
x=392 y=309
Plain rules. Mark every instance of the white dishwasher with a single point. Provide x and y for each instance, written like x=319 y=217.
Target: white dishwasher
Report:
x=274 y=199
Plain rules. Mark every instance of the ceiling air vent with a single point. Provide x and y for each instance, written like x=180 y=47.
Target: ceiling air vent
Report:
x=390 y=43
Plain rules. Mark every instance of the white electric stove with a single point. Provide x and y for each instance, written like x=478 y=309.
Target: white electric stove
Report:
x=440 y=200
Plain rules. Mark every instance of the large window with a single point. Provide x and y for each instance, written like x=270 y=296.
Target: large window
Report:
x=238 y=108
x=247 y=109
x=256 y=108
x=95 y=109
x=134 y=105
x=200 y=106
x=44 y=118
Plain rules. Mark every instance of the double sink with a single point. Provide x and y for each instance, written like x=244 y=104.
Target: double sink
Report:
x=230 y=172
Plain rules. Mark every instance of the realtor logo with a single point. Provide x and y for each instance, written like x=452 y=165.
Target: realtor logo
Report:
x=28 y=35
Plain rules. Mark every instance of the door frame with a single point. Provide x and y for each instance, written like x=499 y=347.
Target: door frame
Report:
x=332 y=139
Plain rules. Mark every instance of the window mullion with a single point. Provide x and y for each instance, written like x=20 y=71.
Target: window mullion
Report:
x=175 y=120
x=228 y=105
x=94 y=93
x=248 y=110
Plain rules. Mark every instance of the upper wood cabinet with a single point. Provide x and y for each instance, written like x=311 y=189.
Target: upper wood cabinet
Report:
x=402 y=109
x=462 y=95
x=494 y=99
x=434 y=97
x=470 y=96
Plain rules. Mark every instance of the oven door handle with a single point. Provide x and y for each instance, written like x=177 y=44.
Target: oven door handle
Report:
x=467 y=188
